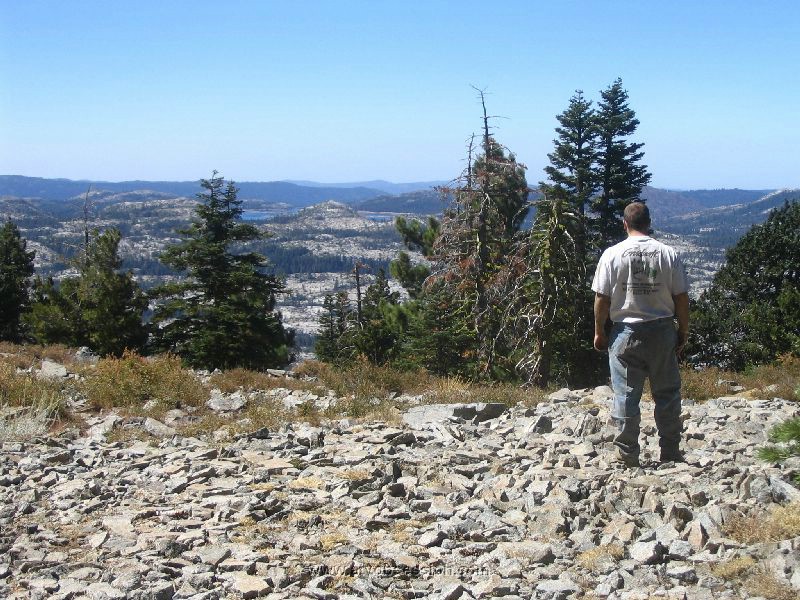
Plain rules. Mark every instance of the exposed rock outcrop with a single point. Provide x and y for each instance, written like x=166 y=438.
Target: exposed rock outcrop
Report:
x=458 y=501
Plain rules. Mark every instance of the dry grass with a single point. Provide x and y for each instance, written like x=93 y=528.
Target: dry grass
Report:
x=126 y=435
x=207 y=422
x=23 y=390
x=28 y=406
x=132 y=381
x=263 y=412
x=257 y=414
x=329 y=541
x=366 y=391
x=365 y=380
x=354 y=474
x=407 y=531
x=782 y=523
x=781 y=379
x=592 y=559
x=734 y=568
x=453 y=390
x=766 y=585
x=26 y=356
x=306 y=483
x=249 y=381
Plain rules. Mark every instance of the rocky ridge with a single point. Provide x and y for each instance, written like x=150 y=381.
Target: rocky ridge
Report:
x=456 y=501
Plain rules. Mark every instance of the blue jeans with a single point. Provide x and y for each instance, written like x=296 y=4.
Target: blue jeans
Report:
x=637 y=351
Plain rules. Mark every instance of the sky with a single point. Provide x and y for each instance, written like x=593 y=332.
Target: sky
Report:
x=345 y=90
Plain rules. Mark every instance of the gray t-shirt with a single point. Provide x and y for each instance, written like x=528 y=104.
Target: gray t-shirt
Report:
x=641 y=275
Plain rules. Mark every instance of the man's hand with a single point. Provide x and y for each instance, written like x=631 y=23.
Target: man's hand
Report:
x=600 y=342
x=683 y=337
x=602 y=305
x=682 y=313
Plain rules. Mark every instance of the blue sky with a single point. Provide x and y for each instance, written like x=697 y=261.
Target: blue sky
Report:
x=356 y=90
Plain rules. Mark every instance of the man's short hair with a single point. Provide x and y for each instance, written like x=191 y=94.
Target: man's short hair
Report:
x=637 y=216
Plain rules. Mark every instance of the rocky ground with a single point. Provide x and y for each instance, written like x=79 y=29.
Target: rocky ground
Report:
x=457 y=501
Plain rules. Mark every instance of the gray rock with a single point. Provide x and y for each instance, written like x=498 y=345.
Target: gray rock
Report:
x=783 y=491
x=249 y=586
x=557 y=589
x=432 y=538
x=420 y=416
x=451 y=591
x=564 y=395
x=51 y=370
x=543 y=424
x=492 y=587
x=219 y=402
x=679 y=550
x=157 y=428
x=453 y=502
x=104 y=591
x=683 y=573
x=101 y=428
x=647 y=553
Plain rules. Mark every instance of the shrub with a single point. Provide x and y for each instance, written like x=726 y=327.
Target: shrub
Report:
x=132 y=380
x=28 y=406
x=786 y=437
x=244 y=379
x=764 y=584
x=756 y=580
x=751 y=312
x=364 y=380
x=779 y=379
x=23 y=390
x=782 y=523
x=734 y=568
x=26 y=356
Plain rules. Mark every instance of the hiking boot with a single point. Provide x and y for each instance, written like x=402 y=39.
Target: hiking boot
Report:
x=673 y=456
x=628 y=460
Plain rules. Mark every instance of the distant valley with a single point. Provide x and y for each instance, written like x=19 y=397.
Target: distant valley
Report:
x=319 y=231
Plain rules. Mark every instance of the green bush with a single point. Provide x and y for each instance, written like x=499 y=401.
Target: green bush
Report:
x=785 y=438
x=133 y=380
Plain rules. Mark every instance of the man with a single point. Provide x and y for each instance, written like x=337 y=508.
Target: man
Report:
x=641 y=284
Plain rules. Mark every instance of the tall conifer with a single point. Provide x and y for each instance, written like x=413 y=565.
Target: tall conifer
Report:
x=16 y=269
x=621 y=177
x=222 y=315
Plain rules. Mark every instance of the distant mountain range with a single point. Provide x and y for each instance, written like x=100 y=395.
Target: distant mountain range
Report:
x=722 y=226
x=316 y=242
x=270 y=191
x=726 y=212
x=387 y=187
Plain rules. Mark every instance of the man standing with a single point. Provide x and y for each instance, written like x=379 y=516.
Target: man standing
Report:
x=641 y=284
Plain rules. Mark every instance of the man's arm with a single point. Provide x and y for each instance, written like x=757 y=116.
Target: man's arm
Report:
x=602 y=305
x=682 y=313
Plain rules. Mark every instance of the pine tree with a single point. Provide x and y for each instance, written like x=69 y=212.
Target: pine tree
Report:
x=376 y=338
x=54 y=316
x=572 y=162
x=751 y=312
x=16 y=269
x=332 y=344
x=620 y=176
x=439 y=338
x=573 y=177
x=101 y=308
x=111 y=301
x=223 y=314
x=490 y=203
x=326 y=345
x=541 y=284
x=418 y=237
